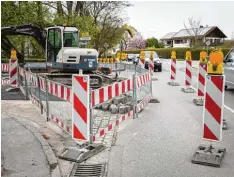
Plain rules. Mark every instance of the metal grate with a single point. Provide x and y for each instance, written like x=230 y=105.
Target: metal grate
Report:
x=88 y=170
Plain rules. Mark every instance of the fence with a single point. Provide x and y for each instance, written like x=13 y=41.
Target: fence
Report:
x=55 y=99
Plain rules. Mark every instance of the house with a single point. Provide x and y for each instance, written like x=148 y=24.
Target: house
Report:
x=196 y=36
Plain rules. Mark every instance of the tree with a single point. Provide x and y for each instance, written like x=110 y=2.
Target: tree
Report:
x=152 y=42
x=137 y=42
x=193 y=29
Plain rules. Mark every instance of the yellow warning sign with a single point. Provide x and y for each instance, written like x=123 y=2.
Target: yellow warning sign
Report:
x=215 y=65
x=188 y=55
x=203 y=56
x=173 y=55
x=142 y=55
x=13 y=54
x=151 y=55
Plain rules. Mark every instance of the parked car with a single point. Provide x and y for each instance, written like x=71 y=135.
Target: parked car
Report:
x=229 y=69
x=157 y=61
x=131 y=57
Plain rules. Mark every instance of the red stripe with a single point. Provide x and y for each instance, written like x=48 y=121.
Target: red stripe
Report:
x=172 y=77
x=13 y=72
x=200 y=93
x=80 y=108
x=62 y=124
x=116 y=89
x=213 y=108
x=68 y=129
x=123 y=118
x=68 y=94
x=93 y=98
x=188 y=72
x=77 y=134
x=201 y=79
x=83 y=84
x=218 y=82
x=62 y=91
x=109 y=92
x=94 y=138
x=102 y=132
x=187 y=83
x=101 y=95
x=123 y=86
x=208 y=134
x=109 y=127
x=173 y=69
x=117 y=122
x=129 y=113
x=128 y=84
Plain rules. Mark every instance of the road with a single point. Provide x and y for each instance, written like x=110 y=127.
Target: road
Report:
x=163 y=139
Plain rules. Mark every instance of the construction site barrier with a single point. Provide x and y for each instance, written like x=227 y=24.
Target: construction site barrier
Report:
x=55 y=99
x=5 y=73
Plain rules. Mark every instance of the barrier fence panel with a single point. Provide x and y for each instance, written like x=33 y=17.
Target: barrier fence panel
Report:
x=5 y=73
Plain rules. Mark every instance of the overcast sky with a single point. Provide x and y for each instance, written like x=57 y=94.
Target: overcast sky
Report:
x=152 y=18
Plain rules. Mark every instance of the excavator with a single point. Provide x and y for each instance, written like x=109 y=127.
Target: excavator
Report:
x=62 y=52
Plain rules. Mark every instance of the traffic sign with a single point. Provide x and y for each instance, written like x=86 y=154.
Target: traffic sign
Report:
x=106 y=45
x=208 y=42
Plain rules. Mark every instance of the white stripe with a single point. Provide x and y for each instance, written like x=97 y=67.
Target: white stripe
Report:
x=188 y=79
x=201 y=87
x=173 y=63
x=54 y=88
x=131 y=84
x=65 y=93
x=80 y=92
x=96 y=97
x=113 y=90
x=188 y=66
x=105 y=89
x=59 y=91
x=214 y=92
x=202 y=71
x=213 y=125
x=13 y=78
x=120 y=87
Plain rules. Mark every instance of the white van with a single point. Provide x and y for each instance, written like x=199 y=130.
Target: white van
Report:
x=229 y=69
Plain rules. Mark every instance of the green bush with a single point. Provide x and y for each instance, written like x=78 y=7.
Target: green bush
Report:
x=5 y=60
x=180 y=52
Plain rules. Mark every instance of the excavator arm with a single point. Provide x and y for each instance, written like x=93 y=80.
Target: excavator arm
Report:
x=27 y=30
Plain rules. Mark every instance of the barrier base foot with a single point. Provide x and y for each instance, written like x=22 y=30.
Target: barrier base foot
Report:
x=188 y=90
x=198 y=101
x=171 y=83
x=78 y=155
x=224 y=124
x=209 y=156
x=154 y=100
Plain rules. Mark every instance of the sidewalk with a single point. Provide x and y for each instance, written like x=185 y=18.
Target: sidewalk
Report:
x=22 y=152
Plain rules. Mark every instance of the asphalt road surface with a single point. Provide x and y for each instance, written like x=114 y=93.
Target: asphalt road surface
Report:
x=163 y=139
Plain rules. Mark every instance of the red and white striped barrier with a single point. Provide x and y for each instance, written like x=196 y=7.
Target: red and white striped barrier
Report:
x=143 y=79
x=80 y=108
x=201 y=79
x=55 y=119
x=143 y=104
x=213 y=107
x=112 y=125
x=173 y=69
x=13 y=72
x=103 y=94
x=188 y=73
x=151 y=65
x=5 y=67
x=3 y=81
x=142 y=63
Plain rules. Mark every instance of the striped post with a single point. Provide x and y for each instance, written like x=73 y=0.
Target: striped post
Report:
x=142 y=59
x=13 y=63
x=80 y=108
x=188 y=74
x=151 y=63
x=213 y=107
x=173 y=70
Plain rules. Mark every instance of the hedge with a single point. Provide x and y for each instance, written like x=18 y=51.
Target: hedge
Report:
x=5 y=60
x=180 y=52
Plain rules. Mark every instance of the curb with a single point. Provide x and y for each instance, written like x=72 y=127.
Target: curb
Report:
x=52 y=160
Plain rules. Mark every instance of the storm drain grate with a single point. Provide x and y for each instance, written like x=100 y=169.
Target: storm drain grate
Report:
x=85 y=170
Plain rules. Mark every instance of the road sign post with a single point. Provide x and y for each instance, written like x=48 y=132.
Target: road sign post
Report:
x=212 y=113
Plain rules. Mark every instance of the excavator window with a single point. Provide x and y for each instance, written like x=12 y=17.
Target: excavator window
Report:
x=70 y=39
x=55 y=39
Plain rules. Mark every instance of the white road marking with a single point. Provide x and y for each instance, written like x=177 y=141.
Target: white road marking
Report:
x=225 y=106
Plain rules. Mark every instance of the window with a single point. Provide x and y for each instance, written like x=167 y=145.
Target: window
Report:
x=178 y=41
x=70 y=39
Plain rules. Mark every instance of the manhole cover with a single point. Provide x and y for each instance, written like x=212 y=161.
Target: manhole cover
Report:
x=84 y=170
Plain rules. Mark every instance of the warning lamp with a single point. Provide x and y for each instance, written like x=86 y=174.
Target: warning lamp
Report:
x=151 y=55
x=173 y=55
x=142 y=55
x=203 y=56
x=188 y=55
x=13 y=54
x=118 y=55
x=64 y=25
x=215 y=65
